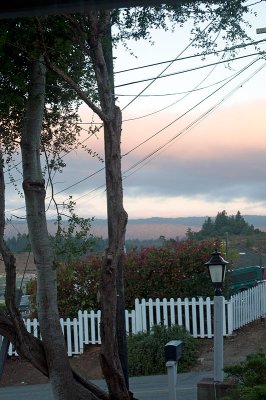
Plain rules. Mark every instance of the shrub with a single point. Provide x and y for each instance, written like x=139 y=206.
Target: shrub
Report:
x=174 y=270
x=77 y=288
x=250 y=378
x=146 y=350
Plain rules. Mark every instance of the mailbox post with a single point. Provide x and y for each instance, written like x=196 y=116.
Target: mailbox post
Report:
x=172 y=352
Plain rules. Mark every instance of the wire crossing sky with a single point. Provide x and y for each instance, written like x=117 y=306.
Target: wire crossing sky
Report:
x=196 y=154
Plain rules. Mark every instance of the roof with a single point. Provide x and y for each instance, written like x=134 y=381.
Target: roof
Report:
x=18 y=8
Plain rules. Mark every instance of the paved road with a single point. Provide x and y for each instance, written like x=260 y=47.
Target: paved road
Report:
x=144 y=388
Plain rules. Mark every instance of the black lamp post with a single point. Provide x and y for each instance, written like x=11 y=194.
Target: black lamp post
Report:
x=217 y=269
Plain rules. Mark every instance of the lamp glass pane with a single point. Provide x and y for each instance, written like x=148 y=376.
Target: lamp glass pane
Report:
x=217 y=273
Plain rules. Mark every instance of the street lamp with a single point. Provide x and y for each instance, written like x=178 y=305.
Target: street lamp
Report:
x=217 y=269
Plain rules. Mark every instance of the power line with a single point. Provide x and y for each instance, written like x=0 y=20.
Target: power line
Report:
x=177 y=101
x=141 y=163
x=204 y=54
x=168 y=66
x=162 y=148
x=175 y=93
x=190 y=69
x=80 y=181
x=165 y=127
x=190 y=109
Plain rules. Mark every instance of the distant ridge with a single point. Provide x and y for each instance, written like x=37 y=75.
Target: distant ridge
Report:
x=144 y=228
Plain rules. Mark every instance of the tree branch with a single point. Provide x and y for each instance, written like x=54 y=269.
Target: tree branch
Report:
x=62 y=75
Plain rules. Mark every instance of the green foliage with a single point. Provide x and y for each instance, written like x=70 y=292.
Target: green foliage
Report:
x=19 y=244
x=225 y=16
x=77 y=288
x=250 y=377
x=222 y=224
x=77 y=281
x=146 y=351
x=174 y=270
x=74 y=240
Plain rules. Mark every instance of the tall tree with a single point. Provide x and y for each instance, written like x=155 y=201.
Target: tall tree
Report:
x=90 y=33
x=50 y=355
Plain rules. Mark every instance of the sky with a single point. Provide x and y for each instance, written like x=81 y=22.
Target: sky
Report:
x=206 y=129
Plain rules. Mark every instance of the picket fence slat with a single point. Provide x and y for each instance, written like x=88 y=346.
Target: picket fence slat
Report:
x=81 y=331
x=201 y=317
x=195 y=315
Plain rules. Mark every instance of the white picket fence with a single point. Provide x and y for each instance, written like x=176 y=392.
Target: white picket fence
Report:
x=195 y=315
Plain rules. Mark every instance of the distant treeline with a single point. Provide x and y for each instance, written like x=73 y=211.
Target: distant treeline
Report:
x=21 y=243
x=223 y=224
x=220 y=226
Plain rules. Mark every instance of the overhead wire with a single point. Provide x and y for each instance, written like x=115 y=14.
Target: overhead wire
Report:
x=144 y=161
x=177 y=93
x=203 y=54
x=168 y=66
x=189 y=70
x=152 y=80
x=89 y=176
x=190 y=109
x=183 y=97
x=161 y=148
x=81 y=180
x=177 y=101
x=165 y=127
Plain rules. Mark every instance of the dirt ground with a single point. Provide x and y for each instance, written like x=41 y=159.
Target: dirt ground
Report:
x=246 y=340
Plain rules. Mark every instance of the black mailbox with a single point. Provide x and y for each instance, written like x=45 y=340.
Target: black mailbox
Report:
x=173 y=350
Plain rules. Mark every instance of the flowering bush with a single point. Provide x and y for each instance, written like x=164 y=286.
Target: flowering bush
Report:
x=174 y=270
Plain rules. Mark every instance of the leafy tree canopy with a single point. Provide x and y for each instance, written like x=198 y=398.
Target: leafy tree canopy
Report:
x=222 y=224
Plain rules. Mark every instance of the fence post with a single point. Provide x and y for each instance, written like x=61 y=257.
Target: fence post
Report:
x=81 y=331
x=194 y=317
x=209 y=318
x=230 y=322
x=138 y=323
x=143 y=315
x=201 y=317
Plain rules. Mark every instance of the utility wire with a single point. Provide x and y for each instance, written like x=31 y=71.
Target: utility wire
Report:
x=204 y=54
x=163 y=147
x=155 y=153
x=175 y=93
x=80 y=181
x=190 y=109
x=144 y=161
x=151 y=137
x=177 y=101
x=89 y=176
x=168 y=66
x=165 y=127
x=190 y=69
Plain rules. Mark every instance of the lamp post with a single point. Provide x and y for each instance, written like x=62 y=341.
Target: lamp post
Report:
x=217 y=270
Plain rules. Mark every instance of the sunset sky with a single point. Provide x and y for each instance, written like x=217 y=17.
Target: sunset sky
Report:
x=214 y=163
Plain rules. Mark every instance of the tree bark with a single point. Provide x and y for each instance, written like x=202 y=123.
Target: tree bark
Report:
x=60 y=373
x=99 y=25
x=96 y=25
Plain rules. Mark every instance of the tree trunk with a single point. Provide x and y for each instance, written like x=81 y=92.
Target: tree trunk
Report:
x=117 y=219
x=12 y=326
x=60 y=373
x=99 y=25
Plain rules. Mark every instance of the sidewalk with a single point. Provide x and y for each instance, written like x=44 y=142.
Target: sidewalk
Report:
x=144 y=388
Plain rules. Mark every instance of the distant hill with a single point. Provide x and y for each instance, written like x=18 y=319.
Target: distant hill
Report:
x=146 y=228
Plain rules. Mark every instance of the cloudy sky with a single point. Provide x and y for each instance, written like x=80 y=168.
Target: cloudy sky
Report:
x=193 y=143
